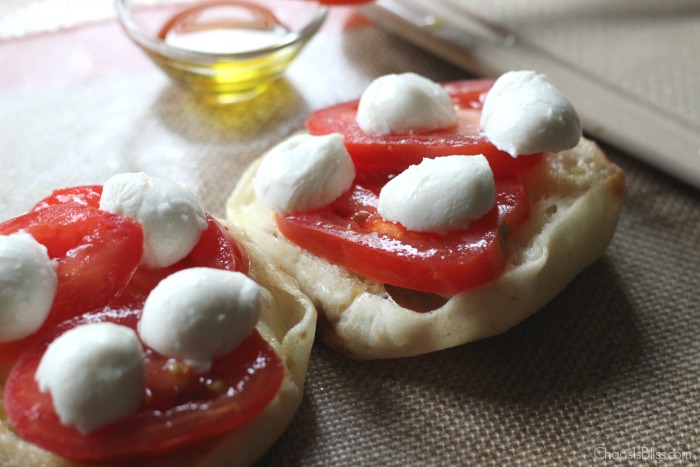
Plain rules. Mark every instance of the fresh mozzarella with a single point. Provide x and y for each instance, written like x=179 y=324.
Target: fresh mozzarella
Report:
x=304 y=172
x=171 y=216
x=27 y=286
x=524 y=114
x=439 y=195
x=200 y=313
x=403 y=103
x=95 y=375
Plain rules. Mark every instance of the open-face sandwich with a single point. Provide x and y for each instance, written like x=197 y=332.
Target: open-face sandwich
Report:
x=135 y=329
x=425 y=216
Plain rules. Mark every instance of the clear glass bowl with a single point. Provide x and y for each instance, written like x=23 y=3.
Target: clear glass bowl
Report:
x=223 y=51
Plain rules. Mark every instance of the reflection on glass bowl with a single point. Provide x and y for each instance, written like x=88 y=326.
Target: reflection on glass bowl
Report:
x=223 y=50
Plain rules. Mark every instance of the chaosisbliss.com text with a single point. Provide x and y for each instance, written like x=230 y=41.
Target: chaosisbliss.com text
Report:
x=643 y=453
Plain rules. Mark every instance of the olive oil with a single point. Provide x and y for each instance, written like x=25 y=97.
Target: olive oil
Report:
x=230 y=50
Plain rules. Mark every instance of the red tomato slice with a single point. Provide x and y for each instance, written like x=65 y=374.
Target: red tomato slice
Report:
x=352 y=234
x=97 y=254
x=216 y=248
x=179 y=408
x=395 y=152
x=88 y=195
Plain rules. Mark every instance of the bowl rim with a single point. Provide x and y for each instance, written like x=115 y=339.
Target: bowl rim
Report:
x=298 y=36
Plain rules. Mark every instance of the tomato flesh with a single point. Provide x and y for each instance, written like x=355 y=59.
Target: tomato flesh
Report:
x=216 y=249
x=394 y=153
x=351 y=233
x=97 y=254
x=180 y=408
x=87 y=195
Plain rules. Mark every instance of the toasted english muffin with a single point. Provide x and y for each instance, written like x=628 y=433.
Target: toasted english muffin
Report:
x=576 y=197
x=287 y=322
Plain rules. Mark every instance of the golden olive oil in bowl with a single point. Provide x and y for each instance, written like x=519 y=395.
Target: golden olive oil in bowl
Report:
x=224 y=51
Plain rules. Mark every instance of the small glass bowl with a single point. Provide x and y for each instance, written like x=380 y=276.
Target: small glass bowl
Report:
x=224 y=51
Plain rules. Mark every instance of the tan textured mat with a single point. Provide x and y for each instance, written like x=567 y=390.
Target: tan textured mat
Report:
x=608 y=371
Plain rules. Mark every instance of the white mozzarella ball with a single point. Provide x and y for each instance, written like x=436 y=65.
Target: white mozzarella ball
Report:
x=95 y=375
x=524 y=114
x=28 y=285
x=404 y=103
x=304 y=172
x=171 y=216
x=439 y=195
x=200 y=313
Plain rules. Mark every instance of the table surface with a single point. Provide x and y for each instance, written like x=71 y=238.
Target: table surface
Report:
x=608 y=370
